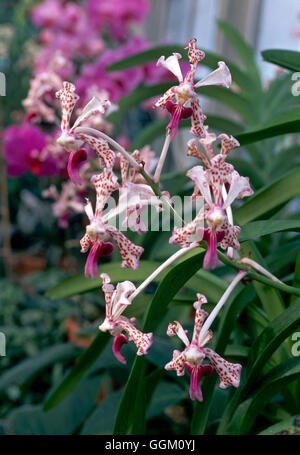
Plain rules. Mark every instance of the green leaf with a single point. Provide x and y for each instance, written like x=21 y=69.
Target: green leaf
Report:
x=78 y=284
x=166 y=394
x=290 y=125
x=268 y=341
x=25 y=371
x=282 y=57
x=271 y=384
x=290 y=426
x=72 y=378
x=269 y=197
x=63 y=420
x=257 y=229
x=242 y=48
x=101 y=421
x=127 y=421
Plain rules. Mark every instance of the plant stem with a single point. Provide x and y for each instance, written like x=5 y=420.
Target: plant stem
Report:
x=163 y=266
x=162 y=157
x=219 y=305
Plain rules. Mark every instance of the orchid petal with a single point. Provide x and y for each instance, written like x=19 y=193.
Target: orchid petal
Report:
x=229 y=373
x=142 y=340
x=171 y=64
x=118 y=342
x=196 y=373
x=199 y=177
x=94 y=106
x=177 y=362
x=129 y=251
x=75 y=162
x=221 y=76
x=177 y=329
x=68 y=99
x=239 y=188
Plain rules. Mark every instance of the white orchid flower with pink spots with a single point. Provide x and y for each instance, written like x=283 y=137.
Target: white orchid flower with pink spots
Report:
x=209 y=184
x=117 y=300
x=73 y=142
x=192 y=357
x=135 y=194
x=185 y=92
x=99 y=233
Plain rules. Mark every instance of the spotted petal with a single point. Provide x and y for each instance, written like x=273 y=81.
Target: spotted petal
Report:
x=68 y=99
x=229 y=373
x=129 y=251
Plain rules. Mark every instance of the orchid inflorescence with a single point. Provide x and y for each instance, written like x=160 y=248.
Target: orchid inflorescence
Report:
x=215 y=180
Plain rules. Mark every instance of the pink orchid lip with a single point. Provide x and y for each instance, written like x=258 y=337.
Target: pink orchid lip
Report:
x=177 y=112
x=97 y=250
x=196 y=373
x=211 y=238
x=118 y=342
x=75 y=162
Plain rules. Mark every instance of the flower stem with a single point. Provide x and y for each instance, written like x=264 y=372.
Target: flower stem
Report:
x=220 y=304
x=162 y=157
x=162 y=267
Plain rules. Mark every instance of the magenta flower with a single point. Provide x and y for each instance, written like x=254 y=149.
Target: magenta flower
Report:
x=185 y=92
x=117 y=15
x=210 y=184
x=25 y=150
x=192 y=357
x=73 y=142
x=117 y=300
x=99 y=232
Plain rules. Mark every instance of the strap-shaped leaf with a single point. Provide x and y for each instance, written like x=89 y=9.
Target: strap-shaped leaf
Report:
x=271 y=384
x=78 y=284
x=72 y=378
x=258 y=229
x=242 y=48
x=268 y=341
x=282 y=57
x=269 y=197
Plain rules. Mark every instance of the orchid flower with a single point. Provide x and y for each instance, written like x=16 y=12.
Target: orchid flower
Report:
x=192 y=357
x=117 y=300
x=135 y=194
x=73 y=142
x=209 y=184
x=185 y=92
x=99 y=232
x=42 y=86
x=66 y=203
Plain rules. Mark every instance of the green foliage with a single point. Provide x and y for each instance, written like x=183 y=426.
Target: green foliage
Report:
x=254 y=327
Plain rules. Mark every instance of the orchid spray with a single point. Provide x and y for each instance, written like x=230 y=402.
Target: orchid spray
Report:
x=137 y=188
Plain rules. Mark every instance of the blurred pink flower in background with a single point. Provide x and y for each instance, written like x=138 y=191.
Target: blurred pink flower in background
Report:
x=23 y=150
x=116 y=15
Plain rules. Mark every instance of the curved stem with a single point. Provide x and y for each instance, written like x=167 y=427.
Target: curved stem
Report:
x=230 y=219
x=116 y=145
x=163 y=266
x=217 y=308
x=162 y=157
